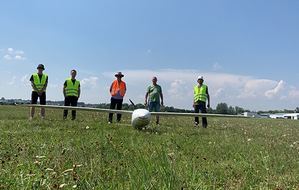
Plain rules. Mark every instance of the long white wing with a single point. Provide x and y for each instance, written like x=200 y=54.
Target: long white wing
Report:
x=131 y=112
x=196 y=114
x=79 y=108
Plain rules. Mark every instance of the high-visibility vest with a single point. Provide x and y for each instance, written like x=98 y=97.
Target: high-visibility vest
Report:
x=200 y=93
x=72 y=88
x=39 y=83
x=121 y=89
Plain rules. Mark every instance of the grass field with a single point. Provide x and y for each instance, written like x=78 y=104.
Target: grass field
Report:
x=90 y=154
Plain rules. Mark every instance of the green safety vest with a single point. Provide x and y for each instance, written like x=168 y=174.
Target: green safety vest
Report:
x=72 y=88
x=200 y=94
x=39 y=83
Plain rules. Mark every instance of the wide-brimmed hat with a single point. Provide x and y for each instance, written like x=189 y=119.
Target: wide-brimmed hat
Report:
x=41 y=66
x=119 y=74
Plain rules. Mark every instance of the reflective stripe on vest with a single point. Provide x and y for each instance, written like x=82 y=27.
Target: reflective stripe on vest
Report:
x=71 y=88
x=118 y=88
x=200 y=93
x=39 y=83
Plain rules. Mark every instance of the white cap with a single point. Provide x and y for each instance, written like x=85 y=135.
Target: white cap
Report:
x=200 y=77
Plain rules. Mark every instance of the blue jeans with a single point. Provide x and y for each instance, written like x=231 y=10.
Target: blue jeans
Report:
x=154 y=106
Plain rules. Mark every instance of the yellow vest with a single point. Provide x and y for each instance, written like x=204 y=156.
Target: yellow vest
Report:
x=72 y=88
x=200 y=93
x=39 y=83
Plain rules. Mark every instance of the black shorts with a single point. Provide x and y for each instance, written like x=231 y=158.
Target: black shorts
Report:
x=34 y=97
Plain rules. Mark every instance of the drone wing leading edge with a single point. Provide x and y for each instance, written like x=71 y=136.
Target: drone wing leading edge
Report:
x=140 y=117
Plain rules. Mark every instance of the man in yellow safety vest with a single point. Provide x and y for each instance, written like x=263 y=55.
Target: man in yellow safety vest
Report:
x=39 y=82
x=201 y=96
x=71 y=92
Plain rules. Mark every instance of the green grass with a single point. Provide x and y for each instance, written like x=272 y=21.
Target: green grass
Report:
x=90 y=154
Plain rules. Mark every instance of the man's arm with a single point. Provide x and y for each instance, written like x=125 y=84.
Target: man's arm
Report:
x=34 y=87
x=79 y=91
x=161 y=96
x=145 y=99
x=44 y=87
x=208 y=98
x=63 y=89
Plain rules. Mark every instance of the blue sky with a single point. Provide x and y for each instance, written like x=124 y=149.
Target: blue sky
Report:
x=247 y=51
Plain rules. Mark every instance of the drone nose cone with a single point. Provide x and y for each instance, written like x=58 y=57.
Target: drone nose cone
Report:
x=140 y=118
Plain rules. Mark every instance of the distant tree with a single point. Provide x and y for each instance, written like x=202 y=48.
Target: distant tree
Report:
x=231 y=110
x=222 y=108
x=238 y=110
x=210 y=110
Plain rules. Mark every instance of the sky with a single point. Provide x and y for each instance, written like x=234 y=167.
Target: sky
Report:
x=247 y=51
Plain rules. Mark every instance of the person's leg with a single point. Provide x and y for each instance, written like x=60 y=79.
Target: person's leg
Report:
x=119 y=106
x=66 y=103
x=74 y=101
x=42 y=100
x=112 y=106
x=34 y=98
x=157 y=109
x=204 y=110
x=150 y=106
x=196 y=119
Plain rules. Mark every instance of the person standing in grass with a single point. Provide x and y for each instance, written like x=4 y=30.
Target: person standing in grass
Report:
x=154 y=92
x=71 y=92
x=201 y=96
x=39 y=82
x=117 y=90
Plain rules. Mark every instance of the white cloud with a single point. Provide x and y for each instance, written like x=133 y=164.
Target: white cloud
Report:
x=293 y=92
x=14 y=55
x=275 y=90
x=7 y=57
x=12 y=81
x=255 y=87
x=89 y=83
x=20 y=52
x=25 y=79
x=18 y=57
x=217 y=66
x=10 y=50
x=218 y=93
x=178 y=90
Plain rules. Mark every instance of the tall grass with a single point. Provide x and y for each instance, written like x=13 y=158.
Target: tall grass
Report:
x=90 y=154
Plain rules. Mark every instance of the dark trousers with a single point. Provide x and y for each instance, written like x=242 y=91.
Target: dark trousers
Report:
x=42 y=98
x=70 y=101
x=201 y=108
x=118 y=103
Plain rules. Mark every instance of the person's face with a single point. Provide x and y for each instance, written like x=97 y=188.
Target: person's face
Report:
x=118 y=77
x=200 y=81
x=40 y=70
x=73 y=74
x=154 y=80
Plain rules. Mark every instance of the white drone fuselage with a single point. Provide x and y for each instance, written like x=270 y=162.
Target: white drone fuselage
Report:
x=140 y=118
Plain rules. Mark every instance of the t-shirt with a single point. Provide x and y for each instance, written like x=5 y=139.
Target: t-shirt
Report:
x=154 y=92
